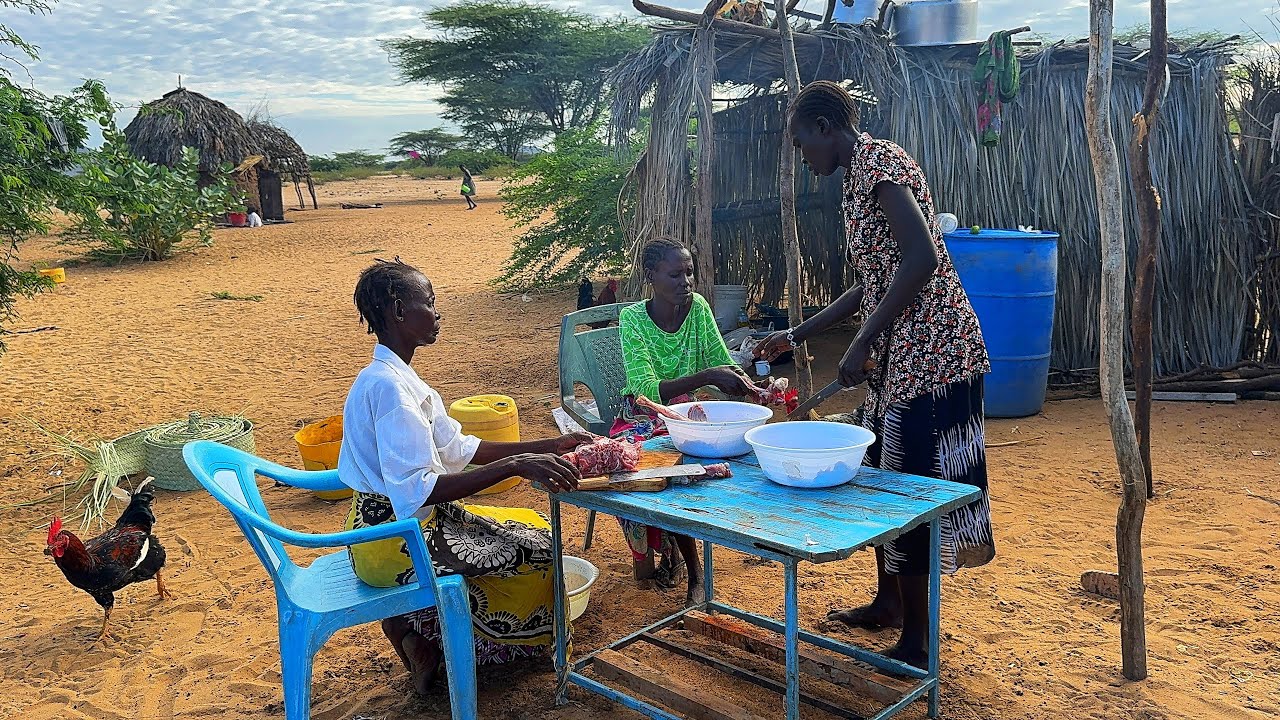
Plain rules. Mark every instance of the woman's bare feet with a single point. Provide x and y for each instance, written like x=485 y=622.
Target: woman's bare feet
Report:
x=420 y=656
x=424 y=660
x=395 y=628
x=696 y=595
x=911 y=655
x=875 y=616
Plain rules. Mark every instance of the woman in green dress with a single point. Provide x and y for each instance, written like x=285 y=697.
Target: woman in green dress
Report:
x=671 y=348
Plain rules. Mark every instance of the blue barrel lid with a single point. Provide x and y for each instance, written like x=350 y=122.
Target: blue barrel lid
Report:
x=993 y=234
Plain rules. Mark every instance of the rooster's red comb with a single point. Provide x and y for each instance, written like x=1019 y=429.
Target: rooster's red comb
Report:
x=55 y=527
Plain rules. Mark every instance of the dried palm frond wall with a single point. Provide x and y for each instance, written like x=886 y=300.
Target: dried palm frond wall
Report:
x=1039 y=174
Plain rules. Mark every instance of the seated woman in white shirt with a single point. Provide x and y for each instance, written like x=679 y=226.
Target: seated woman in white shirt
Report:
x=405 y=457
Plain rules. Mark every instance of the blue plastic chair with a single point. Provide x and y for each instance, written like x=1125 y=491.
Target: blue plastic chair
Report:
x=594 y=359
x=314 y=602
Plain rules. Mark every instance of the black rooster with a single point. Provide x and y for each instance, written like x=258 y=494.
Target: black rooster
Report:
x=127 y=553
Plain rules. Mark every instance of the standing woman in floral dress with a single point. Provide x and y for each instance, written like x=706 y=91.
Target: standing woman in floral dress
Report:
x=924 y=397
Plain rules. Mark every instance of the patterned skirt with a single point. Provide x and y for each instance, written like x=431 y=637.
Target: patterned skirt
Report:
x=938 y=435
x=504 y=554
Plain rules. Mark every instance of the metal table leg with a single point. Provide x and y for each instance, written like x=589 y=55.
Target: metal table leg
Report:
x=792 y=603
x=935 y=610
x=560 y=611
x=708 y=571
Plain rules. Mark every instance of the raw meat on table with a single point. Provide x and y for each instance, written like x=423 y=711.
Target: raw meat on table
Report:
x=713 y=471
x=718 y=470
x=604 y=457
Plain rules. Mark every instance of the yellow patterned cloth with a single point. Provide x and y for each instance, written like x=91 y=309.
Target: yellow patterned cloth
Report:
x=504 y=554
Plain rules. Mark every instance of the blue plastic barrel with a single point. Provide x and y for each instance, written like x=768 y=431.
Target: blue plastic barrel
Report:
x=1011 y=278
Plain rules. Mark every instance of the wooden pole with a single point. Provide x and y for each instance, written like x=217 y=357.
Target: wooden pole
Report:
x=1147 y=199
x=666 y=13
x=787 y=193
x=1111 y=317
x=703 y=58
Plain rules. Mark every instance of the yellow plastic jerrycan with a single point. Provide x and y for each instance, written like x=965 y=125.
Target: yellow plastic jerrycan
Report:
x=318 y=444
x=493 y=418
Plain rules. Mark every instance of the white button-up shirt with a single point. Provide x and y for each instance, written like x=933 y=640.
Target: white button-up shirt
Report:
x=397 y=439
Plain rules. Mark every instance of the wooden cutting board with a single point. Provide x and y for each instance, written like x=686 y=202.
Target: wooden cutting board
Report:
x=648 y=459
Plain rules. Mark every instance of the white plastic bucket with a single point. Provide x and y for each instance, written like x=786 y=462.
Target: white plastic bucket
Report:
x=810 y=454
x=579 y=576
x=727 y=301
x=723 y=434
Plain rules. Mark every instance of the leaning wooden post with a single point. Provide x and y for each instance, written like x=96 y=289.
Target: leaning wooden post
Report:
x=703 y=58
x=787 y=192
x=1148 y=201
x=1111 y=317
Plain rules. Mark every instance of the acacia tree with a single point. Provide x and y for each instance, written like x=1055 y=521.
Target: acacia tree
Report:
x=513 y=69
x=429 y=144
x=493 y=116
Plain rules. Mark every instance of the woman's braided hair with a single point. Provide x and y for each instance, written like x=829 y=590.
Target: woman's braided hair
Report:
x=378 y=288
x=823 y=98
x=656 y=250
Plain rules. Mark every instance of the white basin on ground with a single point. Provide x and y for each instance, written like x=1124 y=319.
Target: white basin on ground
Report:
x=579 y=576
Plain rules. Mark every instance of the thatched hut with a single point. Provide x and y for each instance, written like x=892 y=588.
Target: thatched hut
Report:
x=184 y=118
x=924 y=99
x=287 y=159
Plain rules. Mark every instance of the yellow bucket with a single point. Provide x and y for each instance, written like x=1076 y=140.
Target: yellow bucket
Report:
x=489 y=417
x=58 y=275
x=318 y=444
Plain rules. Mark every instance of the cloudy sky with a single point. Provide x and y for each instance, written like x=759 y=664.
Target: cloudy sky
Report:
x=319 y=67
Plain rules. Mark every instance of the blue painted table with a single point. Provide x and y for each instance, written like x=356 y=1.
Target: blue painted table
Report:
x=753 y=515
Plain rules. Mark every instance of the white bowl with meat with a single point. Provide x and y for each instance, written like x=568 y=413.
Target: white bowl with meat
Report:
x=722 y=434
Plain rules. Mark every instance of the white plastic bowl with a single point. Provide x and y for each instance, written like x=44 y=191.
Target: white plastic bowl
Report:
x=810 y=454
x=723 y=434
x=579 y=576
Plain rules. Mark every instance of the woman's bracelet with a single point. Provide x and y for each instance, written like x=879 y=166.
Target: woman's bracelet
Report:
x=791 y=338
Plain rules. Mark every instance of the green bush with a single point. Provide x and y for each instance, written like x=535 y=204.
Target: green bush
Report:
x=321 y=178
x=134 y=209
x=34 y=174
x=566 y=201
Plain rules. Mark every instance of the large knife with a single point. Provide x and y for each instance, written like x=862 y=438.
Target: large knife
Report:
x=802 y=412
x=816 y=399
x=629 y=479
x=690 y=470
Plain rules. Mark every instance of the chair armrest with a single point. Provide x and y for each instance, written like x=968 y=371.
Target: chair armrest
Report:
x=409 y=530
x=318 y=480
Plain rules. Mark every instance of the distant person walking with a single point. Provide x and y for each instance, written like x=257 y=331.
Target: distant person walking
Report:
x=468 y=187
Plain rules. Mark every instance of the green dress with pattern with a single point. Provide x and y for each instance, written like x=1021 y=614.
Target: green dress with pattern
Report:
x=652 y=355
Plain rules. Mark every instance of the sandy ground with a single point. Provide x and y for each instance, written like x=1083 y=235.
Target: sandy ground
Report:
x=141 y=344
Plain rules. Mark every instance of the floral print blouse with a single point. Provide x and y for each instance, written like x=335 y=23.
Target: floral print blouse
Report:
x=936 y=340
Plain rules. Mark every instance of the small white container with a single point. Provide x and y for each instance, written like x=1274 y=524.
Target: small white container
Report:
x=810 y=454
x=948 y=223
x=723 y=434
x=579 y=576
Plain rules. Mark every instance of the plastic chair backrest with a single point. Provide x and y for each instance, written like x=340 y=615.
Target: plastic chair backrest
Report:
x=594 y=359
x=230 y=475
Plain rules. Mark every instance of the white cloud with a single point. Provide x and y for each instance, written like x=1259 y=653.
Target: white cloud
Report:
x=320 y=66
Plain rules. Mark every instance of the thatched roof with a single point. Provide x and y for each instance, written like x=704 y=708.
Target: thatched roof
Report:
x=183 y=118
x=285 y=154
